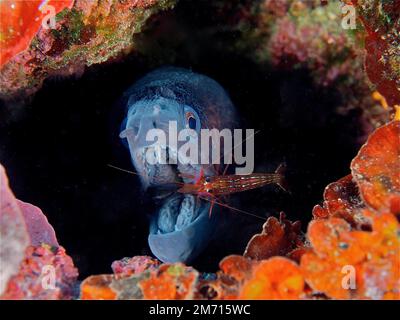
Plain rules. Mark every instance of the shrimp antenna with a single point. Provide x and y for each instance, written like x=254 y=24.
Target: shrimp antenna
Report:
x=135 y=173
x=123 y=170
x=235 y=209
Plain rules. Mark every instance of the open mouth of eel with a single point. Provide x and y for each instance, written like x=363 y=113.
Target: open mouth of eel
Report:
x=180 y=225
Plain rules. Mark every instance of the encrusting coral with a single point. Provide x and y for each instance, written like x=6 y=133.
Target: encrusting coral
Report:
x=381 y=20
x=85 y=33
x=20 y=21
x=308 y=36
x=13 y=232
x=33 y=264
x=45 y=273
x=279 y=237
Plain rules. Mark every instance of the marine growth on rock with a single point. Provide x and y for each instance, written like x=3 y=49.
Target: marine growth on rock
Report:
x=295 y=56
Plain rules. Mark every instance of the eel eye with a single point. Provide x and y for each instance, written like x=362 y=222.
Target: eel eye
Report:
x=191 y=120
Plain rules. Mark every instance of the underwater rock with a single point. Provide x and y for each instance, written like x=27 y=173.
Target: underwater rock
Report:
x=20 y=21
x=167 y=281
x=367 y=244
x=128 y=288
x=278 y=237
x=376 y=167
x=123 y=284
x=372 y=255
x=275 y=278
x=342 y=200
x=170 y=281
x=13 y=232
x=88 y=33
x=225 y=283
x=296 y=36
x=97 y=288
x=138 y=264
x=36 y=225
x=39 y=229
x=113 y=286
x=33 y=265
x=45 y=273
x=308 y=36
x=234 y=271
x=236 y=267
x=381 y=20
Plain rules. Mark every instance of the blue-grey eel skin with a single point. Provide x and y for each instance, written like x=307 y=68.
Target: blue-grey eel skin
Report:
x=181 y=227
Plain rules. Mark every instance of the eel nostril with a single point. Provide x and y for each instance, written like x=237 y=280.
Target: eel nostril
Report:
x=154 y=124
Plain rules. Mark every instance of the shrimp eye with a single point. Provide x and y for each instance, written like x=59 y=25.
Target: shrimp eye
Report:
x=208 y=179
x=191 y=120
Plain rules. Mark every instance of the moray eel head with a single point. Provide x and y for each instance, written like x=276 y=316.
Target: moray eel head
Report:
x=181 y=227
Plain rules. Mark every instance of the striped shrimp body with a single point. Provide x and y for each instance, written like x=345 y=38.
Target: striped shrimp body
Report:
x=223 y=185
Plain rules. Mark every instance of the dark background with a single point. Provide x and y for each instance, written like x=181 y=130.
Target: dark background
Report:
x=57 y=146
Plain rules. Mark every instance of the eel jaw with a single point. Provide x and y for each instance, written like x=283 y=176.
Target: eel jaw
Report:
x=181 y=227
x=188 y=237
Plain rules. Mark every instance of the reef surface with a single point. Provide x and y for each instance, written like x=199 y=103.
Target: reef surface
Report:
x=85 y=33
x=351 y=246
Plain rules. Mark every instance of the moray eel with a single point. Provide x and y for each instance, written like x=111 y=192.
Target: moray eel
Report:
x=181 y=227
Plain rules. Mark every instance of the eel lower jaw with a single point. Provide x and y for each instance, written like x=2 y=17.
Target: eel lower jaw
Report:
x=181 y=229
x=177 y=212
